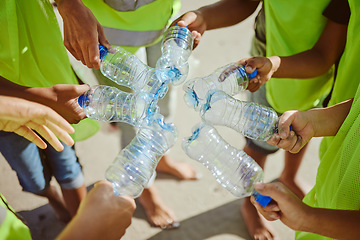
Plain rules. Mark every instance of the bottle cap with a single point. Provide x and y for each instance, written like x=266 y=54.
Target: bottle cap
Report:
x=103 y=51
x=82 y=99
x=251 y=75
x=261 y=199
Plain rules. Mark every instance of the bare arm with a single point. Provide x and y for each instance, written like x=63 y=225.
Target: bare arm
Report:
x=24 y=118
x=82 y=32
x=307 y=124
x=62 y=98
x=337 y=224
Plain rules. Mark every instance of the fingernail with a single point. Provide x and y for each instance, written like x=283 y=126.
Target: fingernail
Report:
x=248 y=68
x=259 y=186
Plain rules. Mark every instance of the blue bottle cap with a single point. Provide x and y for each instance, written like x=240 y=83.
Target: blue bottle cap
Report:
x=251 y=75
x=103 y=51
x=261 y=199
x=82 y=99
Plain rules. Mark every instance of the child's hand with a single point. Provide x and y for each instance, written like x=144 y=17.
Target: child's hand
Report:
x=265 y=69
x=195 y=23
x=285 y=206
x=293 y=140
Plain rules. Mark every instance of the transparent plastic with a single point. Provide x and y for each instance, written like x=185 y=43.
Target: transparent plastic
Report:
x=232 y=168
x=125 y=69
x=109 y=104
x=176 y=48
x=250 y=119
x=134 y=166
x=231 y=78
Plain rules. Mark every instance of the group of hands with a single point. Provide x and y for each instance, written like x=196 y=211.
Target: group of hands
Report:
x=82 y=33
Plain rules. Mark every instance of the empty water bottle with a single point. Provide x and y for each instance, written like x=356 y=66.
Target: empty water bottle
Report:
x=133 y=167
x=176 y=49
x=233 y=168
x=125 y=69
x=231 y=78
x=110 y=104
x=250 y=119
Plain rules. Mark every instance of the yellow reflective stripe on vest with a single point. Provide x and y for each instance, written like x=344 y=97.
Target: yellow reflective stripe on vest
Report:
x=127 y=5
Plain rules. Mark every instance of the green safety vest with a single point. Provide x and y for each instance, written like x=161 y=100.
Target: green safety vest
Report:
x=290 y=31
x=32 y=52
x=133 y=24
x=338 y=175
x=11 y=228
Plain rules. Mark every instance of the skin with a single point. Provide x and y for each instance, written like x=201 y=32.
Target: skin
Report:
x=62 y=97
x=101 y=215
x=82 y=42
x=288 y=208
x=30 y=119
x=308 y=124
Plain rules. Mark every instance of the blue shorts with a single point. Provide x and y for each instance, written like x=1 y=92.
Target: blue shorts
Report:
x=35 y=167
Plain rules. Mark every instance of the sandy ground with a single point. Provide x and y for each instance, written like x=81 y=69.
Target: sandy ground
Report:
x=204 y=209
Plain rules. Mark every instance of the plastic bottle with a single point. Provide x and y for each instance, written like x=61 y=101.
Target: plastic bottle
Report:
x=125 y=69
x=176 y=48
x=133 y=167
x=110 y=104
x=233 y=168
x=231 y=78
x=250 y=119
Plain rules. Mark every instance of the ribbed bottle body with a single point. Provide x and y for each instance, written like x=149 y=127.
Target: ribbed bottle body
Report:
x=232 y=168
x=231 y=78
x=109 y=104
x=135 y=164
x=250 y=119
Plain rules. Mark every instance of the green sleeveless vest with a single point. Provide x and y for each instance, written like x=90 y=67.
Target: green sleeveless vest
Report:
x=12 y=228
x=32 y=52
x=289 y=31
x=133 y=24
x=338 y=176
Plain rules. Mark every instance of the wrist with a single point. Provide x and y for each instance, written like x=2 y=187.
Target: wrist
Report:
x=275 y=62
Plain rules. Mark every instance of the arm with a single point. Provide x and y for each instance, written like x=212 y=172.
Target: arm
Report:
x=218 y=15
x=337 y=224
x=82 y=32
x=102 y=215
x=308 y=64
x=307 y=124
x=62 y=98
x=22 y=117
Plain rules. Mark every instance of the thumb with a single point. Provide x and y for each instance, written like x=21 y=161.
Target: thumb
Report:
x=187 y=19
x=81 y=89
x=274 y=190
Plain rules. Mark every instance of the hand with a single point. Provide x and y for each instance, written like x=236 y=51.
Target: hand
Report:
x=285 y=205
x=64 y=100
x=265 y=69
x=303 y=130
x=82 y=32
x=195 y=23
x=25 y=117
x=101 y=215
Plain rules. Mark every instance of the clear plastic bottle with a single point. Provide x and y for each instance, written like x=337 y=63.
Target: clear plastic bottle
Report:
x=134 y=166
x=233 y=168
x=125 y=69
x=110 y=104
x=231 y=78
x=250 y=119
x=176 y=48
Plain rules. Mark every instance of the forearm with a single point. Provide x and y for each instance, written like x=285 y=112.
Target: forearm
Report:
x=227 y=12
x=337 y=224
x=327 y=121
x=39 y=95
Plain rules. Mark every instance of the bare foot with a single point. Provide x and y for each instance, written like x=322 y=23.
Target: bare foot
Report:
x=254 y=223
x=292 y=185
x=181 y=170
x=157 y=213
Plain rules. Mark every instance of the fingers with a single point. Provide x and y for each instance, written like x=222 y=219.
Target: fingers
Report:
x=30 y=135
x=271 y=212
x=187 y=19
